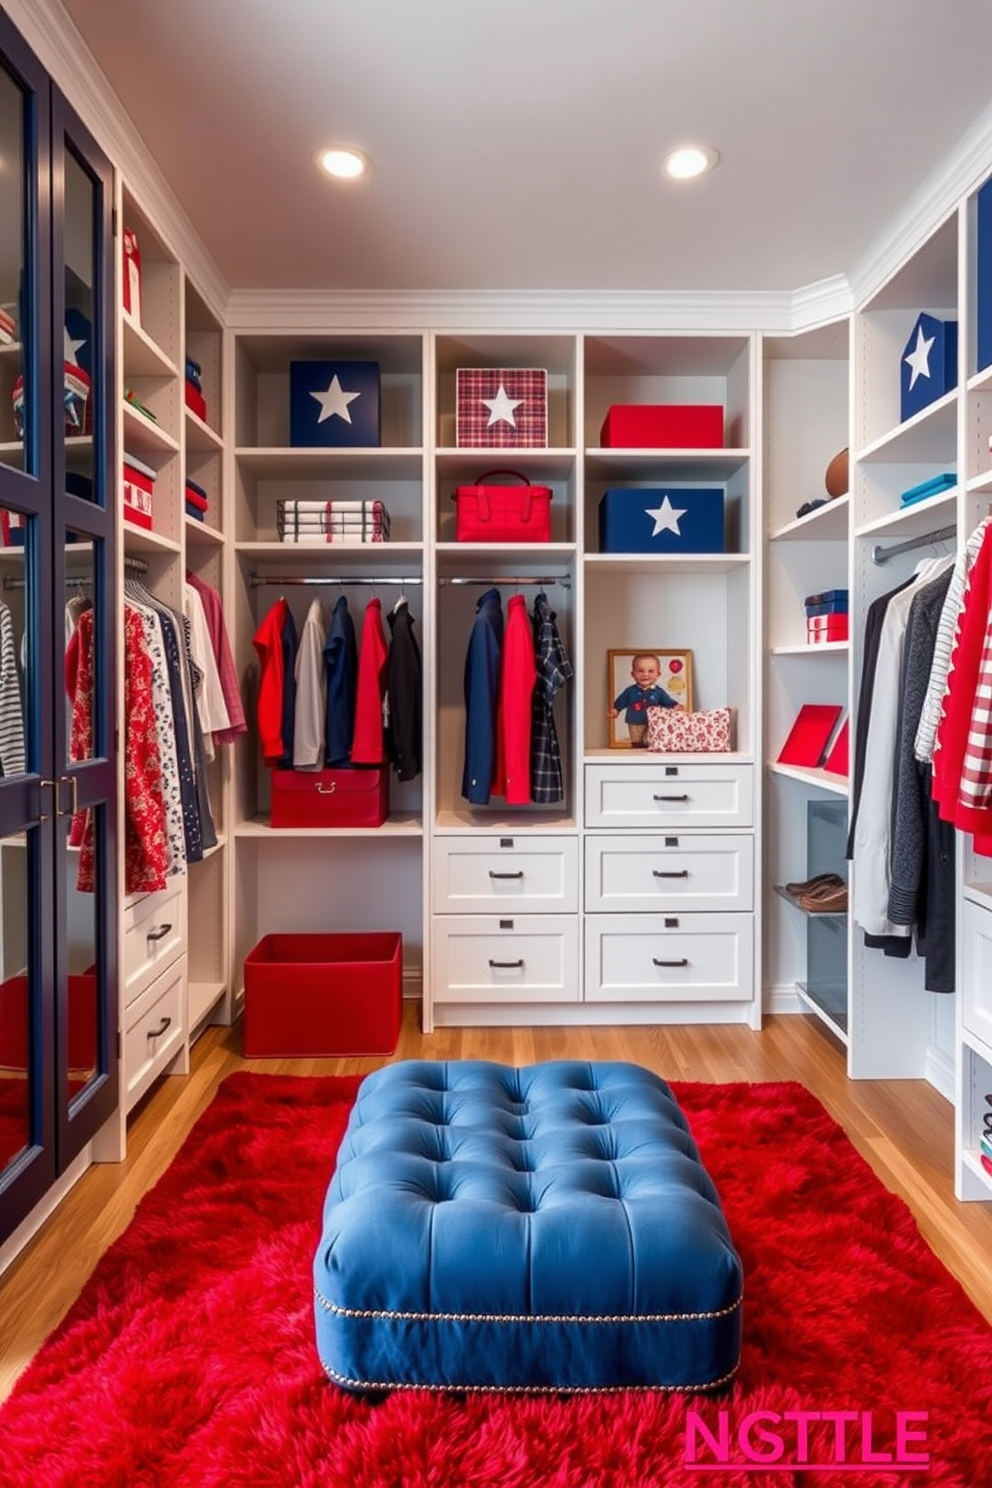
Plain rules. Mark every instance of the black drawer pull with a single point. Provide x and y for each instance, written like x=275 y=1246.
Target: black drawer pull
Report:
x=518 y=874
x=683 y=962
x=683 y=797
x=158 y=1032
x=160 y=933
x=676 y=873
x=506 y=965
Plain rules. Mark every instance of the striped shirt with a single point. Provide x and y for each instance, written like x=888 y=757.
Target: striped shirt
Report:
x=11 y=715
x=950 y=616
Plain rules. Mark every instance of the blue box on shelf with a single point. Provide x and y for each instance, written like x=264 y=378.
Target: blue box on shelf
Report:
x=929 y=365
x=662 y=519
x=983 y=295
x=334 y=404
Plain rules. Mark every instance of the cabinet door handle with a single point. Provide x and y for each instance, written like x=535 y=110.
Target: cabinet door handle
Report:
x=44 y=816
x=519 y=874
x=676 y=873
x=684 y=962
x=160 y=933
x=73 y=783
x=683 y=797
x=158 y=1032
x=507 y=965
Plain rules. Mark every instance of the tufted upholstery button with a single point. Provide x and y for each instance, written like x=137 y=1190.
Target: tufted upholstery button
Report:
x=550 y=1226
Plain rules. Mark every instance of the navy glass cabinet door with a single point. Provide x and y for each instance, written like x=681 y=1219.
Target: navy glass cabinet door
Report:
x=58 y=911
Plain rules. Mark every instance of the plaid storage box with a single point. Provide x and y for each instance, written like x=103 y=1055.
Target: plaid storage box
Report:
x=499 y=513
x=138 y=486
x=334 y=404
x=663 y=426
x=501 y=408
x=666 y=519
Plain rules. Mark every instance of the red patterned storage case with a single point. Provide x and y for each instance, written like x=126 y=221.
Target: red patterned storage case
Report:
x=323 y=996
x=501 y=408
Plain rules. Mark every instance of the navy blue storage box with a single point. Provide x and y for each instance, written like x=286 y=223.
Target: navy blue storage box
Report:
x=983 y=296
x=333 y=404
x=929 y=365
x=662 y=519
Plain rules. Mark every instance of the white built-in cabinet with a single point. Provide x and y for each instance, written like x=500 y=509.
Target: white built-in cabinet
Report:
x=513 y=915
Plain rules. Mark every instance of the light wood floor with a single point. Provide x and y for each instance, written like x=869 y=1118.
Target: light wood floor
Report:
x=903 y=1128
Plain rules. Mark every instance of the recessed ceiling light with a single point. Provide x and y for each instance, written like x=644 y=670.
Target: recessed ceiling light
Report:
x=343 y=162
x=689 y=161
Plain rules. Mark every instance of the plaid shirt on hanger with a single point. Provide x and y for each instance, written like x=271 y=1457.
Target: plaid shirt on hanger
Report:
x=553 y=671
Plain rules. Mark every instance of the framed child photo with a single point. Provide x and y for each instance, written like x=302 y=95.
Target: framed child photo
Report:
x=642 y=678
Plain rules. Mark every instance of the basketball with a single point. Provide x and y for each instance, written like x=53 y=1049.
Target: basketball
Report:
x=836 y=477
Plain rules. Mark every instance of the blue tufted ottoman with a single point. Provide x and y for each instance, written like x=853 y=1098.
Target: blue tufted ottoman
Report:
x=523 y=1229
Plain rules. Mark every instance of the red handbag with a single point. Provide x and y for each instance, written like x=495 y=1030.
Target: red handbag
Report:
x=485 y=513
x=330 y=798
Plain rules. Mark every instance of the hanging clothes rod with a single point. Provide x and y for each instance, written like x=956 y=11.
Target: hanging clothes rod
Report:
x=135 y=566
x=255 y=579
x=512 y=580
x=71 y=581
x=880 y=554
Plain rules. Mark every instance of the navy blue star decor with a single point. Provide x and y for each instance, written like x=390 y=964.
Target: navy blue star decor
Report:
x=333 y=404
x=929 y=365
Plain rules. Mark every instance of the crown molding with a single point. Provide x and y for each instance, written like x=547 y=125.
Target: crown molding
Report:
x=937 y=197
x=822 y=301
x=536 y=311
x=61 y=50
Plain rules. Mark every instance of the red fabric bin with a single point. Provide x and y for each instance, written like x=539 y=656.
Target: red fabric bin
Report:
x=488 y=513
x=663 y=426
x=330 y=798
x=323 y=996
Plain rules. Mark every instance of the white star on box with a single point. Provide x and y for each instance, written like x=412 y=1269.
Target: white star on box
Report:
x=70 y=346
x=919 y=358
x=666 y=517
x=334 y=402
x=501 y=408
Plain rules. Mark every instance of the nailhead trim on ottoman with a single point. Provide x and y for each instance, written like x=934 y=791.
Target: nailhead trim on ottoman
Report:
x=550 y=1227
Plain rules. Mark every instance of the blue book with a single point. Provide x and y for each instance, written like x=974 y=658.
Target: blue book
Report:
x=929 y=487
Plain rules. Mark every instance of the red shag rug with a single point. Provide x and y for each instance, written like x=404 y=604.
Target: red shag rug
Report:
x=189 y=1361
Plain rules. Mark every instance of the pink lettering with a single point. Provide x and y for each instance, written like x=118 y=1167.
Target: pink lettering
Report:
x=867 y=1454
x=696 y=1427
x=753 y=1422
x=840 y=1420
x=802 y=1420
x=904 y=1452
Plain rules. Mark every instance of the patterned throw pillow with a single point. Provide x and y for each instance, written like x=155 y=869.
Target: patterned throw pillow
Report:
x=670 y=731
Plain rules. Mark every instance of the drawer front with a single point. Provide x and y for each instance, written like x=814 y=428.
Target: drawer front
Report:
x=153 y=1030
x=683 y=796
x=154 y=935
x=490 y=958
x=976 y=971
x=660 y=871
x=671 y=958
x=532 y=875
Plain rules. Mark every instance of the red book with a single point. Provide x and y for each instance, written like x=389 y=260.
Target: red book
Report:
x=836 y=760
x=986 y=1162
x=810 y=734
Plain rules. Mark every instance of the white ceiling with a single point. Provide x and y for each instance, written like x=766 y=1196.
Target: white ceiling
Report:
x=517 y=143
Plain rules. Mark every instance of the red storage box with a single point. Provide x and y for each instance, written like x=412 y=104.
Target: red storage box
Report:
x=663 y=426
x=323 y=996
x=820 y=628
x=139 y=483
x=196 y=401
x=486 y=513
x=330 y=798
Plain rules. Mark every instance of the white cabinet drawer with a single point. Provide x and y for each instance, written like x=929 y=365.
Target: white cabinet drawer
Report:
x=493 y=958
x=154 y=935
x=658 y=871
x=529 y=875
x=669 y=958
x=153 y=1030
x=679 y=796
x=976 y=970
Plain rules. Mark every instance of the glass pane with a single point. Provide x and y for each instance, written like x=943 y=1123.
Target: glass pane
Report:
x=15 y=411
x=82 y=666
x=15 y=1000
x=86 y=847
x=80 y=228
x=16 y=673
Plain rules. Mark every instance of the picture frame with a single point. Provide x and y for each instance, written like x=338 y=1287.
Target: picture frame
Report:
x=672 y=672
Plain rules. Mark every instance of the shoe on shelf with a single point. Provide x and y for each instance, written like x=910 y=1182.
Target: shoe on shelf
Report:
x=811 y=883
x=827 y=899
